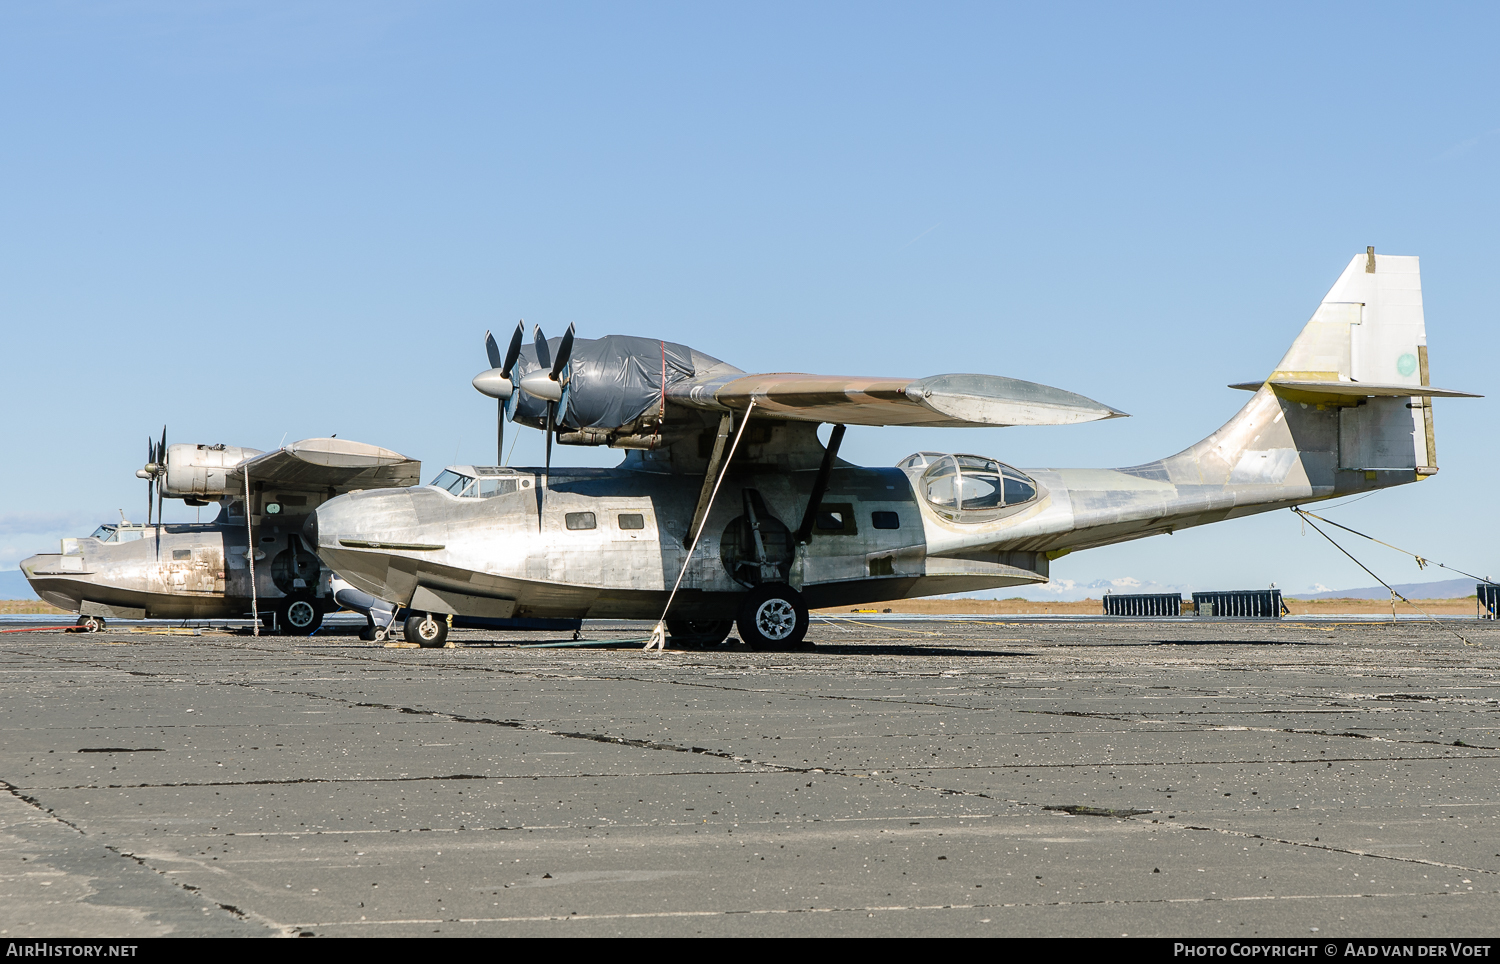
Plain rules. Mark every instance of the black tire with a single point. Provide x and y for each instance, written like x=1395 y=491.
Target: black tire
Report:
x=773 y=617
x=298 y=617
x=427 y=630
x=699 y=633
x=91 y=624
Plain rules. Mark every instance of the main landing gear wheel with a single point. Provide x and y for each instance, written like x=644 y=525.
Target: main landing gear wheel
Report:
x=91 y=624
x=773 y=617
x=429 y=630
x=298 y=617
x=699 y=633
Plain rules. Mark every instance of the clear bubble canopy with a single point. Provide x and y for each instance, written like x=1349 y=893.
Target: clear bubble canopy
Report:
x=964 y=484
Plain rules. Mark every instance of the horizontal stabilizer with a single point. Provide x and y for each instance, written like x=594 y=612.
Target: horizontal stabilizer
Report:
x=1353 y=389
x=940 y=401
x=322 y=463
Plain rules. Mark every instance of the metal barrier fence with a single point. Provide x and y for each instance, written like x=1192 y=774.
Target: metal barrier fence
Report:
x=1488 y=596
x=1143 y=604
x=1245 y=604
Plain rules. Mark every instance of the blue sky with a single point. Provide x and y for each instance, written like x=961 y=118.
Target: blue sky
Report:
x=258 y=220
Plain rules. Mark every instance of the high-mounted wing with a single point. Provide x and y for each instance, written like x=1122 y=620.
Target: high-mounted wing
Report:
x=329 y=463
x=939 y=401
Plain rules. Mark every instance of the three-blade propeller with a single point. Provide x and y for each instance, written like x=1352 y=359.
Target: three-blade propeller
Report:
x=154 y=472
x=545 y=382
x=496 y=381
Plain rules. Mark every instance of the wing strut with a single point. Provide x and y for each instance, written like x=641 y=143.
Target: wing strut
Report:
x=810 y=515
x=726 y=426
x=250 y=558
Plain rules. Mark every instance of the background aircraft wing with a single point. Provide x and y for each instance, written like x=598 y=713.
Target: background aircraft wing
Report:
x=329 y=463
x=939 y=401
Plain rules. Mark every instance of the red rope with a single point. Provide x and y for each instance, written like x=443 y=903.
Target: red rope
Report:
x=661 y=415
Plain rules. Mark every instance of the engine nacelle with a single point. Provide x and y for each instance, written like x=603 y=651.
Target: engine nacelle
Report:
x=199 y=471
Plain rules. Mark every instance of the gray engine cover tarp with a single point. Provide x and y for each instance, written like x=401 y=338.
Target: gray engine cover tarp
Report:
x=611 y=381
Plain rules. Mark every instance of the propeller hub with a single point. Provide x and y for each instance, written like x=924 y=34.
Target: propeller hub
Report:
x=540 y=384
x=494 y=383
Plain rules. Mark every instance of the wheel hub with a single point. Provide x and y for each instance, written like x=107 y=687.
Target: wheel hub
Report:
x=300 y=614
x=776 y=619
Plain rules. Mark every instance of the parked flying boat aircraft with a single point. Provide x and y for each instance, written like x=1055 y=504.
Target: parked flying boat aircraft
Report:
x=202 y=570
x=731 y=462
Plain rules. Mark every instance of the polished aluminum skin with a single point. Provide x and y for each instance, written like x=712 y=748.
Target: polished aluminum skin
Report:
x=1347 y=410
x=202 y=570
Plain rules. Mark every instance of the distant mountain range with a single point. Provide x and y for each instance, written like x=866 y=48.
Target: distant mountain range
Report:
x=1447 y=589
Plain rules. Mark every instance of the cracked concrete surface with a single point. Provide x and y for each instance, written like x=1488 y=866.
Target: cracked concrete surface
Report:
x=937 y=778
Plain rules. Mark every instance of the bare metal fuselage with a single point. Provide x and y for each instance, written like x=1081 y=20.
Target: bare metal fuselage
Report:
x=491 y=557
x=424 y=548
x=189 y=571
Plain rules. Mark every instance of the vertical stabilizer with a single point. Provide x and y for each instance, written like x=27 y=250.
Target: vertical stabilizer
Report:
x=1369 y=327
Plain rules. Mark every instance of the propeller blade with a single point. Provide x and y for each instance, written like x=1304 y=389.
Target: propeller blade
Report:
x=514 y=351
x=492 y=349
x=500 y=432
x=546 y=465
x=161 y=481
x=543 y=353
x=563 y=351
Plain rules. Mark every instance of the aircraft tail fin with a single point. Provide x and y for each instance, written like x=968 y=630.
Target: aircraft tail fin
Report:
x=1348 y=406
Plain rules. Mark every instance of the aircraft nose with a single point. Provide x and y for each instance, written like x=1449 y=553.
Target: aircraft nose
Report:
x=380 y=515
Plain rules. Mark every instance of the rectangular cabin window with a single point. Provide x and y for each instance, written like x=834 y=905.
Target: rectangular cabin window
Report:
x=180 y=554
x=836 y=518
x=885 y=520
x=632 y=520
x=581 y=520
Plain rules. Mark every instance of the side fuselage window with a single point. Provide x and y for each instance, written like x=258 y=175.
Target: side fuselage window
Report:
x=581 y=520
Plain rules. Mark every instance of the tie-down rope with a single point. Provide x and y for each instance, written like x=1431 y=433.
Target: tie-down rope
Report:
x=1394 y=594
x=658 y=640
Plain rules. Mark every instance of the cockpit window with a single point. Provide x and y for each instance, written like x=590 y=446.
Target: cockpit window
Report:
x=969 y=483
x=123 y=533
x=489 y=487
x=452 y=481
x=468 y=487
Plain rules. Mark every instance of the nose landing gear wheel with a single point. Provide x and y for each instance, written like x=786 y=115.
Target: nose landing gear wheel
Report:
x=91 y=624
x=773 y=617
x=428 y=630
x=299 y=617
